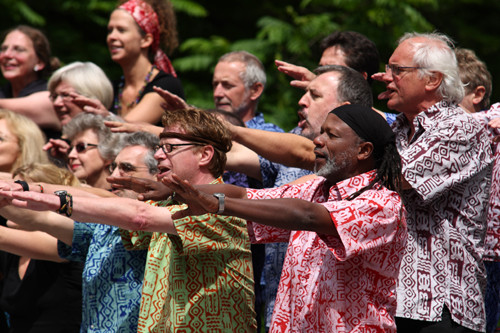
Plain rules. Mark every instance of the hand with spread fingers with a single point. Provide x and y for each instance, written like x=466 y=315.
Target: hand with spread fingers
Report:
x=172 y=101
x=148 y=189
x=301 y=74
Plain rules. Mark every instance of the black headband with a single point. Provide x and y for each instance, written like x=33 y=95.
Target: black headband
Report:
x=368 y=125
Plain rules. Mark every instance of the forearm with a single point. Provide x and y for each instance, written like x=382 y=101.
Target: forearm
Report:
x=33 y=244
x=287 y=213
x=244 y=160
x=148 y=110
x=124 y=213
x=284 y=148
x=36 y=106
x=58 y=226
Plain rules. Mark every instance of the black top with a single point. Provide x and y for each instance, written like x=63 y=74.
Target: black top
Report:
x=33 y=87
x=162 y=80
x=47 y=299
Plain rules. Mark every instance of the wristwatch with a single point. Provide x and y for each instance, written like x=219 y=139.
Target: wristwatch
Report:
x=222 y=198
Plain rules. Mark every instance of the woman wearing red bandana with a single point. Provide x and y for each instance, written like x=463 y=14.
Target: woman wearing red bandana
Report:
x=137 y=31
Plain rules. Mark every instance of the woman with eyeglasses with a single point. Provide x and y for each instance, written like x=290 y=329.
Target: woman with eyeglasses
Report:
x=26 y=62
x=91 y=149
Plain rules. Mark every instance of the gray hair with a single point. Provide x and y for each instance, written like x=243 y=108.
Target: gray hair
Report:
x=107 y=139
x=87 y=79
x=438 y=55
x=254 y=70
x=352 y=87
x=144 y=139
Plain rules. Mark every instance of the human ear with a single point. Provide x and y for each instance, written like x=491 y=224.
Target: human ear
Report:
x=206 y=155
x=479 y=93
x=256 y=90
x=433 y=81
x=147 y=41
x=365 y=150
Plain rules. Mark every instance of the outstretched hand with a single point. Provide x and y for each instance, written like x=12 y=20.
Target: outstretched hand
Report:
x=57 y=148
x=90 y=105
x=301 y=74
x=172 y=101
x=198 y=202
x=147 y=189
x=32 y=200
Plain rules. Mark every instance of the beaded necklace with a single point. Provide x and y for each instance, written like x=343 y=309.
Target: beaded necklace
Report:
x=117 y=103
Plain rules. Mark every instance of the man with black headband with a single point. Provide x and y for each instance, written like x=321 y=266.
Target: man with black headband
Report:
x=198 y=275
x=346 y=230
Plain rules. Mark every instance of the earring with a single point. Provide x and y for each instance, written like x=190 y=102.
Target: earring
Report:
x=36 y=69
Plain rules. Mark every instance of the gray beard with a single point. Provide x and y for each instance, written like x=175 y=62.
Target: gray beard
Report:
x=330 y=168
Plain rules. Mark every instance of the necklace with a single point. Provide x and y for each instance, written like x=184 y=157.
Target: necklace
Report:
x=117 y=103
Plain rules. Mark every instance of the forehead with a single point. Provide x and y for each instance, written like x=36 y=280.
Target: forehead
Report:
x=334 y=55
x=403 y=54
x=121 y=16
x=89 y=136
x=172 y=129
x=326 y=82
x=132 y=154
x=229 y=70
x=18 y=38
x=63 y=85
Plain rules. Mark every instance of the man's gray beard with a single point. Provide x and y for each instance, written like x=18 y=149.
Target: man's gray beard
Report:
x=330 y=168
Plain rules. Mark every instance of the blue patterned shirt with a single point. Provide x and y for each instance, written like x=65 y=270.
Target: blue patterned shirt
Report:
x=112 y=278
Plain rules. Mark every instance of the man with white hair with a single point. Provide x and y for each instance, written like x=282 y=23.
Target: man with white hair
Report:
x=446 y=158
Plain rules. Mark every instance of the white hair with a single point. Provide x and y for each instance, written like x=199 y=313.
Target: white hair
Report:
x=437 y=55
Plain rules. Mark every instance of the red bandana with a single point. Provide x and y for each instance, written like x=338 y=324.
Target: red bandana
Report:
x=147 y=19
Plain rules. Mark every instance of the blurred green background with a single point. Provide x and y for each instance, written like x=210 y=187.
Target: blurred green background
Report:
x=289 y=30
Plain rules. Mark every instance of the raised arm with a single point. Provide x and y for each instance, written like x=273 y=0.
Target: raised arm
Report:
x=36 y=106
x=302 y=76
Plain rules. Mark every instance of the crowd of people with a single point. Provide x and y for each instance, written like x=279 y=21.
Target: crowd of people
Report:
x=126 y=209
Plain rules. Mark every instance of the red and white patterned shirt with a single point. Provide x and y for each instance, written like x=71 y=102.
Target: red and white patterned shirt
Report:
x=346 y=284
x=448 y=164
x=492 y=243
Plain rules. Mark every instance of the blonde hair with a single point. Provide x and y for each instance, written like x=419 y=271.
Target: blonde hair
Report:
x=47 y=173
x=30 y=138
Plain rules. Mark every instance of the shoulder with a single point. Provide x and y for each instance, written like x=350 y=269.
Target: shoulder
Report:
x=167 y=82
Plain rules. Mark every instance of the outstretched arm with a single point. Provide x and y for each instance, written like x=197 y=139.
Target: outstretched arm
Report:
x=125 y=213
x=285 y=213
x=284 y=148
x=33 y=244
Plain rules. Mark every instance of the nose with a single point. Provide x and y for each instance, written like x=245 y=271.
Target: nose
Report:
x=319 y=141
x=116 y=172
x=218 y=91
x=303 y=101
x=159 y=155
x=72 y=153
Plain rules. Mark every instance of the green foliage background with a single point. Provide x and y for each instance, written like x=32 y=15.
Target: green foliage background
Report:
x=289 y=30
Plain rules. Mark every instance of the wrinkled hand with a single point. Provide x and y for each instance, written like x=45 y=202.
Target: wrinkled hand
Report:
x=57 y=148
x=148 y=189
x=172 y=101
x=301 y=74
x=90 y=105
x=198 y=202
x=123 y=127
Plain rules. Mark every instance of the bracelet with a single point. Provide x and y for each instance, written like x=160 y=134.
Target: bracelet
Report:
x=23 y=184
x=41 y=188
x=66 y=205
x=221 y=197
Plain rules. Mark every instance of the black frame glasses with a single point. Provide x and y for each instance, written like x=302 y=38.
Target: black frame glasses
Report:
x=169 y=147
x=82 y=146
x=397 y=70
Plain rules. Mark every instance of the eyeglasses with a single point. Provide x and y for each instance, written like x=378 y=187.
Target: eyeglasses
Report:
x=81 y=147
x=168 y=147
x=397 y=70
x=64 y=96
x=125 y=167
